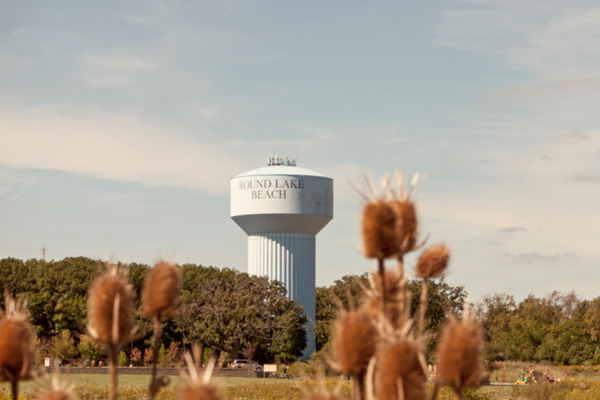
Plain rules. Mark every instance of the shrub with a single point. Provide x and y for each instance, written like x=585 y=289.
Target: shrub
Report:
x=136 y=356
x=62 y=346
x=122 y=360
x=91 y=350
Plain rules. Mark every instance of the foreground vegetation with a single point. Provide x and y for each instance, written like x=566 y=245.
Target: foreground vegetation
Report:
x=244 y=388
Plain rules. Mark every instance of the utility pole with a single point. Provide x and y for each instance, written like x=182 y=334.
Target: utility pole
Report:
x=43 y=254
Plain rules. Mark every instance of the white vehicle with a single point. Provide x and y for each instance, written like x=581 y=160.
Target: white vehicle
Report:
x=245 y=364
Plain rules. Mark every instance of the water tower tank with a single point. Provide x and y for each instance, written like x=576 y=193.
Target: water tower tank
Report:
x=282 y=207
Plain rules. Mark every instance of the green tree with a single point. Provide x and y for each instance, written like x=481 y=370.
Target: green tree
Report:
x=62 y=346
x=289 y=335
x=91 y=350
x=496 y=312
x=122 y=359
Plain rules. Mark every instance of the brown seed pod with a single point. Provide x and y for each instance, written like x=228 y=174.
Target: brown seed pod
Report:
x=16 y=342
x=407 y=226
x=378 y=230
x=460 y=354
x=199 y=391
x=433 y=262
x=354 y=340
x=161 y=291
x=110 y=309
x=400 y=369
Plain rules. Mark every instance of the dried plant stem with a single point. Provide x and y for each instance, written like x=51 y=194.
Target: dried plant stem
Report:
x=382 y=276
x=358 y=390
x=14 y=384
x=154 y=388
x=436 y=389
x=423 y=305
x=401 y=266
x=112 y=368
x=402 y=304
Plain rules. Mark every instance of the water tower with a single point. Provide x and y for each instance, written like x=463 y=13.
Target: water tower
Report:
x=281 y=208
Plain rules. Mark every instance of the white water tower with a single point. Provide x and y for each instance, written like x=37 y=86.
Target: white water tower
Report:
x=282 y=207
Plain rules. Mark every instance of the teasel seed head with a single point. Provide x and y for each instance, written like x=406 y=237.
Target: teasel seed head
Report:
x=57 y=391
x=353 y=342
x=16 y=341
x=460 y=354
x=199 y=391
x=407 y=226
x=199 y=388
x=378 y=230
x=110 y=308
x=433 y=262
x=160 y=293
x=400 y=372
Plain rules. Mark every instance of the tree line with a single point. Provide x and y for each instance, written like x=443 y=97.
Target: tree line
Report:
x=559 y=328
x=222 y=310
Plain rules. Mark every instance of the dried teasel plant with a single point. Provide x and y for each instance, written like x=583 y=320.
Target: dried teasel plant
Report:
x=57 y=390
x=407 y=224
x=460 y=354
x=401 y=371
x=373 y=297
x=382 y=333
x=354 y=342
x=160 y=296
x=379 y=234
x=16 y=344
x=110 y=316
x=200 y=388
x=160 y=293
x=431 y=264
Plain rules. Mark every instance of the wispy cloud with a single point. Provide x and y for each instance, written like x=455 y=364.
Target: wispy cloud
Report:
x=512 y=229
x=586 y=178
x=538 y=90
x=117 y=147
x=525 y=258
x=114 y=70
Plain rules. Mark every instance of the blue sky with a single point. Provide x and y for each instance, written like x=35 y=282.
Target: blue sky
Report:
x=121 y=124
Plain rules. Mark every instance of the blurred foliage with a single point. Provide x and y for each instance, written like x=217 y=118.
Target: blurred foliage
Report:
x=62 y=346
x=559 y=328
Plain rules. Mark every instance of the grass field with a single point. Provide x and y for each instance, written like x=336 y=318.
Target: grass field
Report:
x=134 y=387
x=134 y=381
